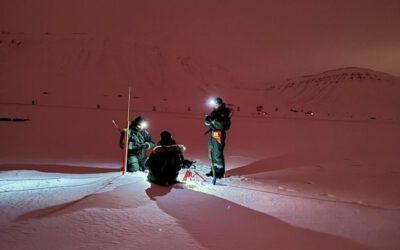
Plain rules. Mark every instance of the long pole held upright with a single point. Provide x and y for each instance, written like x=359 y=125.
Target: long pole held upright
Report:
x=127 y=134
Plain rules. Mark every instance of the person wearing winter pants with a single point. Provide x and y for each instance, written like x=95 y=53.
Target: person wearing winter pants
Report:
x=136 y=162
x=217 y=122
x=139 y=141
x=216 y=146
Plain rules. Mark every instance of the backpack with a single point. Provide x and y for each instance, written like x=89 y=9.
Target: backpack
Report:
x=228 y=113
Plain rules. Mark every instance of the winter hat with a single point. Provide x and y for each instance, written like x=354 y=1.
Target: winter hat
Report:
x=166 y=139
x=137 y=121
x=218 y=100
x=166 y=135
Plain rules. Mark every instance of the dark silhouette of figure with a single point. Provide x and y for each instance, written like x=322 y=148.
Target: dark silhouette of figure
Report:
x=217 y=122
x=165 y=161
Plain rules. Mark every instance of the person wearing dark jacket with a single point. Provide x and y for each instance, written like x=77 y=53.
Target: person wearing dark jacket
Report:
x=217 y=122
x=165 y=161
x=139 y=141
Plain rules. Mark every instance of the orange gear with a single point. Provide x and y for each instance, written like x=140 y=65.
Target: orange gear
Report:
x=217 y=135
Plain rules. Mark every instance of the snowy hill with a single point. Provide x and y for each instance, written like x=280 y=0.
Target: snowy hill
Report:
x=94 y=71
x=86 y=70
x=348 y=93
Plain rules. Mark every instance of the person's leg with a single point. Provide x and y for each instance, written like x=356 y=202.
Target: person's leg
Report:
x=133 y=163
x=218 y=159
x=210 y=157
x=216 y=156
x=142 y=163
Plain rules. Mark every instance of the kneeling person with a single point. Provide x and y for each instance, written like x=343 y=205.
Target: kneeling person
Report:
x=165 y=161
x=139 y=141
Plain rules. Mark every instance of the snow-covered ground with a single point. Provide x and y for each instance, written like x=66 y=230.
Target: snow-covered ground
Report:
x=294 y=184
x=110 y=211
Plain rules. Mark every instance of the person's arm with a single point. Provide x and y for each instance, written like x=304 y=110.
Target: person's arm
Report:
x=209 y=123
x=149 y=143
x=121 y=139
x=219 y=124
x=218 y=121
x=133 y=143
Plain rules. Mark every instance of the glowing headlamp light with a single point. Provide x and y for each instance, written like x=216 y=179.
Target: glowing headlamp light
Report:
x=212 y=102
x=144 y=124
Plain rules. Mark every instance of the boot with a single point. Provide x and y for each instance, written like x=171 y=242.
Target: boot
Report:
x=209 y=174
x=219 y=175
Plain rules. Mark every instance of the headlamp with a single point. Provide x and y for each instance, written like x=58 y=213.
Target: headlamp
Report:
x=144 y=124
x=212 y=102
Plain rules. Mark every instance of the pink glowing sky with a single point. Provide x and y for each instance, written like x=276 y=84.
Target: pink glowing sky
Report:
x=255 y=40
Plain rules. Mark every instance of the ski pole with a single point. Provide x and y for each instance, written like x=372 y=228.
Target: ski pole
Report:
x=116 y=125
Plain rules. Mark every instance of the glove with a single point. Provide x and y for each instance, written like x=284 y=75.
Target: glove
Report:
x=139 y=146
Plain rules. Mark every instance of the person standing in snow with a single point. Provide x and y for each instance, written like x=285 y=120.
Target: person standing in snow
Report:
x=165 y=161
x=139 y=141
x=217 y=122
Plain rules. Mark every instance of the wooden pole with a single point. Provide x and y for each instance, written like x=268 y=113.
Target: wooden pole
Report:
x=127 y=135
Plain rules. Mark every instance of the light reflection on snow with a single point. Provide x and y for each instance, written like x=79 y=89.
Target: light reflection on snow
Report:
x=36 y=182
